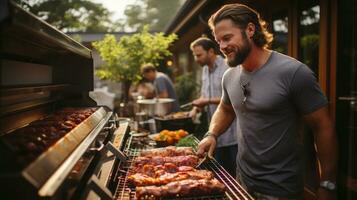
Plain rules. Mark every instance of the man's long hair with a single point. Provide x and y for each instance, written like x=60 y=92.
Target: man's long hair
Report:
x=241 y=15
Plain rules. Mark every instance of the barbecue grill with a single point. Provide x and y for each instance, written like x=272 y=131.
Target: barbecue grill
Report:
x=44 y=72
x=125 y=190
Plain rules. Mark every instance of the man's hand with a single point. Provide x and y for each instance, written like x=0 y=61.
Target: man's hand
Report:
x=193 y=113
x=207 y=144
x=323 y=194
x=201 y=102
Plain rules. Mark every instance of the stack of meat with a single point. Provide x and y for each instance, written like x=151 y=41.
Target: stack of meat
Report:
x=29 y=142
x=170 y=172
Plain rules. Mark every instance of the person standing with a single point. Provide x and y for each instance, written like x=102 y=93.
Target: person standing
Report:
x=205 y=53
x=271 y=94
x=163 y=85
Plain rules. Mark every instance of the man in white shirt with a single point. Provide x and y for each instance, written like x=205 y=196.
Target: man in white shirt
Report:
x=205 y=53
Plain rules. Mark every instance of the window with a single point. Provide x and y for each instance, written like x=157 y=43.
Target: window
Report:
x=309 y=27
x=280 y=31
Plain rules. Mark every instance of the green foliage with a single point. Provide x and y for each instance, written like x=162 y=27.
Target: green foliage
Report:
x=186 y=88
x=311 y=41
x=188 y=141
x=123 y=58
x=71 y=15
x=156 y=13
x=310 y=44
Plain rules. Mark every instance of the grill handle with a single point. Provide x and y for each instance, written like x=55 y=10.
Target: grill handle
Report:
x=109 y=128
x=119 y=154
x=98 y=148
x=110 y=147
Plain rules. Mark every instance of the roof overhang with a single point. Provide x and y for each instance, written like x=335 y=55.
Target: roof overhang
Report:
x=190 y=9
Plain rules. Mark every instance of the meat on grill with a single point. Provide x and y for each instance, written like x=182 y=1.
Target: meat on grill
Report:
x=189 y=160
x=163 y=174
x=168 y=151
x=170 y=172
x=152 y=170
x=163 y=178
x=181 y=188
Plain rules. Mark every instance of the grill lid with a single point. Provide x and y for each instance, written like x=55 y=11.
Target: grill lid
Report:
x=47 y=172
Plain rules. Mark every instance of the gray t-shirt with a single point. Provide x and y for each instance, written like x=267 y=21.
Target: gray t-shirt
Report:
x=163 y=83
x=269 y=143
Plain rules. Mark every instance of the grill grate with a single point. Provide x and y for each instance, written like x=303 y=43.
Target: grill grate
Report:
x=127 y=191
x=234 y=190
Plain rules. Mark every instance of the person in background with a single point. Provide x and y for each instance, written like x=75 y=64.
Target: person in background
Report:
x=143 y=89
x=163 y=85
x=146 y=89
x=270 y=94
x=205 y=53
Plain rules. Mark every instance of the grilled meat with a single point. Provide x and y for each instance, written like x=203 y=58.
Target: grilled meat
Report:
x=189 y=160
x=161 y=177
x=151 y=170
x=168 y=151
x=181 y=188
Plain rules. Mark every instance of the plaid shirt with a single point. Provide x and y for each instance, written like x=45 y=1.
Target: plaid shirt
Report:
x=212 y=87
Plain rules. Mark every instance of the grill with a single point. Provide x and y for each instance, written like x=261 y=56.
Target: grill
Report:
x=125 y=190
x=42 y=72
x=46 y=172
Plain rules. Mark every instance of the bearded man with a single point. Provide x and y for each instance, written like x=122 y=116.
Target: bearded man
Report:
x=270 y=94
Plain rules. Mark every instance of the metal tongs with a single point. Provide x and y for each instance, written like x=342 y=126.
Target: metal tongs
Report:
x=186 y=105
x=204 y=159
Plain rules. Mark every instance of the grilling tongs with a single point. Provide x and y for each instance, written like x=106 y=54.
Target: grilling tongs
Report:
x=186 y=105
x=204 y=159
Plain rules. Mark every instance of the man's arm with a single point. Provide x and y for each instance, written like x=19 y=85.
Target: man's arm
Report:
x=204 y=101
x=221 y=120
x=326 y=142
x=214 y=100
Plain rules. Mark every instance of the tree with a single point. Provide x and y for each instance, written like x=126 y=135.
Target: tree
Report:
x=186 y=88
x=123 y=58
x=156 y=13
x=71 y=15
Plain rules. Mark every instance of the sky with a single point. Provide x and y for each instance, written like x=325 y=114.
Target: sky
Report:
x=117 y=7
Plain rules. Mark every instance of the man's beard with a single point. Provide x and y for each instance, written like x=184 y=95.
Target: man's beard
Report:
x=242 y=53
x=204 y=62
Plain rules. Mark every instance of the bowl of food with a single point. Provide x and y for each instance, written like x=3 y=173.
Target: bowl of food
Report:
x=175 y=121
x=167 y=138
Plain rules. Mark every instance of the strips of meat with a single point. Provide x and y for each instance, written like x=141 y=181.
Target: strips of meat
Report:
x=153 y=170
x=170 y=172
x=189 y=160
x=162 y=177
x=181 y=188
x=168 y=151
